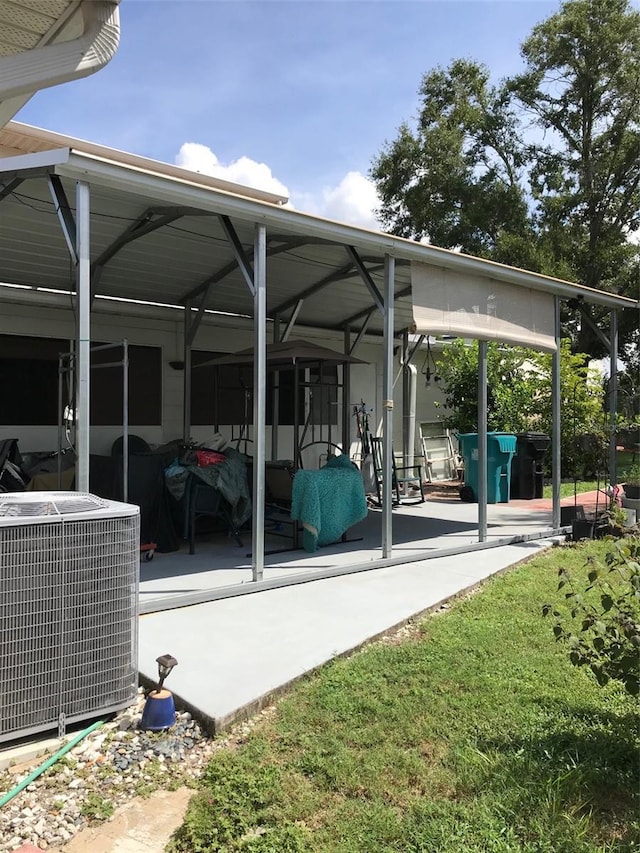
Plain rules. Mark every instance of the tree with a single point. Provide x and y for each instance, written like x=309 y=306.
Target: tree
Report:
x=456 y=182
x=561 y=197
x=582 y=86
x=519 y=399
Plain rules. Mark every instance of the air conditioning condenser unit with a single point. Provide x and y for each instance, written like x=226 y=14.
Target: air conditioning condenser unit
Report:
x=69 y=567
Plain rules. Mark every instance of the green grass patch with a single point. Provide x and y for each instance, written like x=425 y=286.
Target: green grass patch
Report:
x=474 y=734
x=625 y=459
x=567 y=490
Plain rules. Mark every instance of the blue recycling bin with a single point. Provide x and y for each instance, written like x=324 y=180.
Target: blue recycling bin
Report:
x=500 y=449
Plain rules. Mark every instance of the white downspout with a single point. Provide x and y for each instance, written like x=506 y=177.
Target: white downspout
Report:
x=411 y=414
x=27 y=72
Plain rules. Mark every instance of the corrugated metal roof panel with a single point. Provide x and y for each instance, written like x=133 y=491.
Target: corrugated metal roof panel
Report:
x=309 y=259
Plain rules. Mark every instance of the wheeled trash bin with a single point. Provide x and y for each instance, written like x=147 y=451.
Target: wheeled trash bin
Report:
x=527 y=466
x=500 y=449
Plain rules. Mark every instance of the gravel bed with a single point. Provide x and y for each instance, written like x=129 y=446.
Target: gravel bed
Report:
x=114 y=764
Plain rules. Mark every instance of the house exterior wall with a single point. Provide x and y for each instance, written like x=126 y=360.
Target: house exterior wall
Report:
x=55 y=320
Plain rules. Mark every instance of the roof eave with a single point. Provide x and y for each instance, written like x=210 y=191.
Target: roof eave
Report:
x=181 y=192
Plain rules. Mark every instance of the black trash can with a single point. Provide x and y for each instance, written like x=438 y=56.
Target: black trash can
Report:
x=527 y=467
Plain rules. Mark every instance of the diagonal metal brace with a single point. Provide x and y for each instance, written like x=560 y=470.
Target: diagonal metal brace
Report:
x=63 y=210
x=589 y=321
x=239 y=252
x=10 y=187
x=148 y=222
x=364 y=274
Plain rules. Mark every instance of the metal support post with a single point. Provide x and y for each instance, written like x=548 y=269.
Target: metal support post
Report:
x=482 y=441
x=276 y=396
x=613 y=398
x=125 y=419
x=83 y=288
x=259 y=398
x=346 y=397
x=186 y=375
x=387 y=407
x=556 y=415
x=407 y=440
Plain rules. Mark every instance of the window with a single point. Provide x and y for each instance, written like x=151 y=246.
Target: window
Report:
x=29 y=380
x=145 y=386
x=234 y=391
x=30 y=383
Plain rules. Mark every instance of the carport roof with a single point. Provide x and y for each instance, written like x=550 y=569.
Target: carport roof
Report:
x=160 y=234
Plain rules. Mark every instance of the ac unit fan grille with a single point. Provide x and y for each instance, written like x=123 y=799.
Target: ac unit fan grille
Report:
x=33 y=504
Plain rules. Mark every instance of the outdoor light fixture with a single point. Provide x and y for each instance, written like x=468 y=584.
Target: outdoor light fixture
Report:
x=159 y=710
x=429 y=367
x=165 y=664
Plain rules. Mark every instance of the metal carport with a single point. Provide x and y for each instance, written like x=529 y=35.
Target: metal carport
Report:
x=79 y=218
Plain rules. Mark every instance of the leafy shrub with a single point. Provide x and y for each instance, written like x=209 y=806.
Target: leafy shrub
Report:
x=601 y=624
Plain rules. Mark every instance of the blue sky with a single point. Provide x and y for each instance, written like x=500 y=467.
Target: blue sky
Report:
x=295 y=95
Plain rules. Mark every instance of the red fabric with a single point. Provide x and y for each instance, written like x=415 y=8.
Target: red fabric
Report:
x=209 y=457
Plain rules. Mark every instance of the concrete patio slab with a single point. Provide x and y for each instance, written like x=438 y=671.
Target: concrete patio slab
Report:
x=235 y=654
x=417 y=529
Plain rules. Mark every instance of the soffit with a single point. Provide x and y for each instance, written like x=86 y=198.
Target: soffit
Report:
x=26 y=24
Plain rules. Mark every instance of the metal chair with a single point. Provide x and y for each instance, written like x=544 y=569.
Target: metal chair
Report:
x=406 y=480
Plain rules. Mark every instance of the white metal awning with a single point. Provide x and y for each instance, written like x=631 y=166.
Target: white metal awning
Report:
x=159 y=234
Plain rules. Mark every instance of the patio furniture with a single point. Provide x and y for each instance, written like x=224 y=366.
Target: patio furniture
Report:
x=215 y=490
x=441 y=460
x=406 y=480
x=328 y=501
x=205 y=501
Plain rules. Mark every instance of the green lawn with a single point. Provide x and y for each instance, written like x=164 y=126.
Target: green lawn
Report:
x=624 y=460
x=472 y=733
x=567 y=490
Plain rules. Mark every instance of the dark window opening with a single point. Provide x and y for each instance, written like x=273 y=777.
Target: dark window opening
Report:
x=145 y=386
x=29 y=369
x=233 y=392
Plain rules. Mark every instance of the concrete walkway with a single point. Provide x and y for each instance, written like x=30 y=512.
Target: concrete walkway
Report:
x=235 y=654
x=140 y=826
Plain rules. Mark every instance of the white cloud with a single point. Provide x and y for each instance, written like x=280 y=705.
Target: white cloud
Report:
x=245 y=171
x=352 y=201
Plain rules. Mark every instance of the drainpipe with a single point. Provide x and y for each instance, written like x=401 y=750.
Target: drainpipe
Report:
x=411 y=372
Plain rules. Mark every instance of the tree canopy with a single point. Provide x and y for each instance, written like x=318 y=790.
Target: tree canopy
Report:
x=541 y=170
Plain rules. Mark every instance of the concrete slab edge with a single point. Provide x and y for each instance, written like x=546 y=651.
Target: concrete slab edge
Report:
x=190 y=599
x=217 y=725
